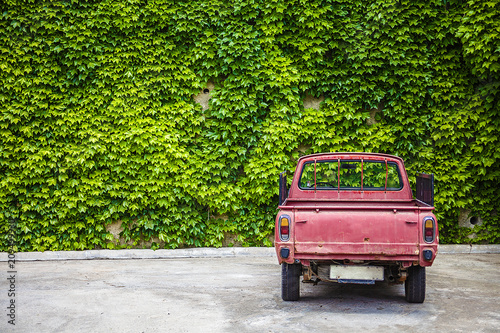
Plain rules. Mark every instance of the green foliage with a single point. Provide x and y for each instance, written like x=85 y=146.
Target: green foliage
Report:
x=98 y=122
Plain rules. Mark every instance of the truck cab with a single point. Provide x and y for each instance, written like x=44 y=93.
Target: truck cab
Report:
x=352 y=218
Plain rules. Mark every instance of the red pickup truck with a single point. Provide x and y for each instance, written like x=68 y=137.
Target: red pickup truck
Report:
x=351 y=218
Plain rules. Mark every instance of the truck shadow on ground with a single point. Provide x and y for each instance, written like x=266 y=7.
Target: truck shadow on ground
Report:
x=336 y=307
x=374 y=297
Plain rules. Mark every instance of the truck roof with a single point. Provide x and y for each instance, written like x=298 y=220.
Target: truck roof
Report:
x=350 y=155
x=296 y=193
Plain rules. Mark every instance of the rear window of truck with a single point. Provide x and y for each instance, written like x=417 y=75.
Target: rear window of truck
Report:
x=351 y=175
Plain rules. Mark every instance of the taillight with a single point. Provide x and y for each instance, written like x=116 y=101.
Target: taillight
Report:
x=284 y=227
x=429 y=229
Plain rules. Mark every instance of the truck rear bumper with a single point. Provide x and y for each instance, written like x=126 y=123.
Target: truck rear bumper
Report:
x=353 y=257
x=366 y=248
x=402 y=253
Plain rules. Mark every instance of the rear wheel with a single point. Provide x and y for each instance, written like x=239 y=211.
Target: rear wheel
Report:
x=290 y=281
x=415 y=284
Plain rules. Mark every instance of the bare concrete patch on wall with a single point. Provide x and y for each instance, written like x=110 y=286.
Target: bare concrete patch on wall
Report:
x=115 y=229
x=468 y=220
x=204 y=96
x=311 y=102
x=373 y=115
x=303 y=149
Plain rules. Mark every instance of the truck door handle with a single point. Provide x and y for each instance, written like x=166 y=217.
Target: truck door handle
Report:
x=301 y=221
x=412 y=222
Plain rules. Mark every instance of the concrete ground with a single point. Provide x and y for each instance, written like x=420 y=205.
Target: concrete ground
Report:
x=241 y=293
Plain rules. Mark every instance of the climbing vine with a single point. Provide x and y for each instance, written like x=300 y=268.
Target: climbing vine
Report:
x=99 y=125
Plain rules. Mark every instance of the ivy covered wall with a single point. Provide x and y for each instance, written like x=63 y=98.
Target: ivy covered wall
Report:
x=101 y=135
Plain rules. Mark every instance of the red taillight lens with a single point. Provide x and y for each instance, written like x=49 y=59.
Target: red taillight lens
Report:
x=284 y=230
x=429 y=226
x=284 y=226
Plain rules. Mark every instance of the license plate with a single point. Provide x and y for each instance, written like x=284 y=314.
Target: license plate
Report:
x=343 y=272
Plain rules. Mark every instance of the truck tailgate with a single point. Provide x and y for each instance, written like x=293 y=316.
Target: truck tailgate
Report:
x=359 y=231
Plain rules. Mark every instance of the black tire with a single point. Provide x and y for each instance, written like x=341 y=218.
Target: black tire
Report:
x=290 y=281
x=415 y=284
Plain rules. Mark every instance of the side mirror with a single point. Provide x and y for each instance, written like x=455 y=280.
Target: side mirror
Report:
x=283 y=194
x=425 y=188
